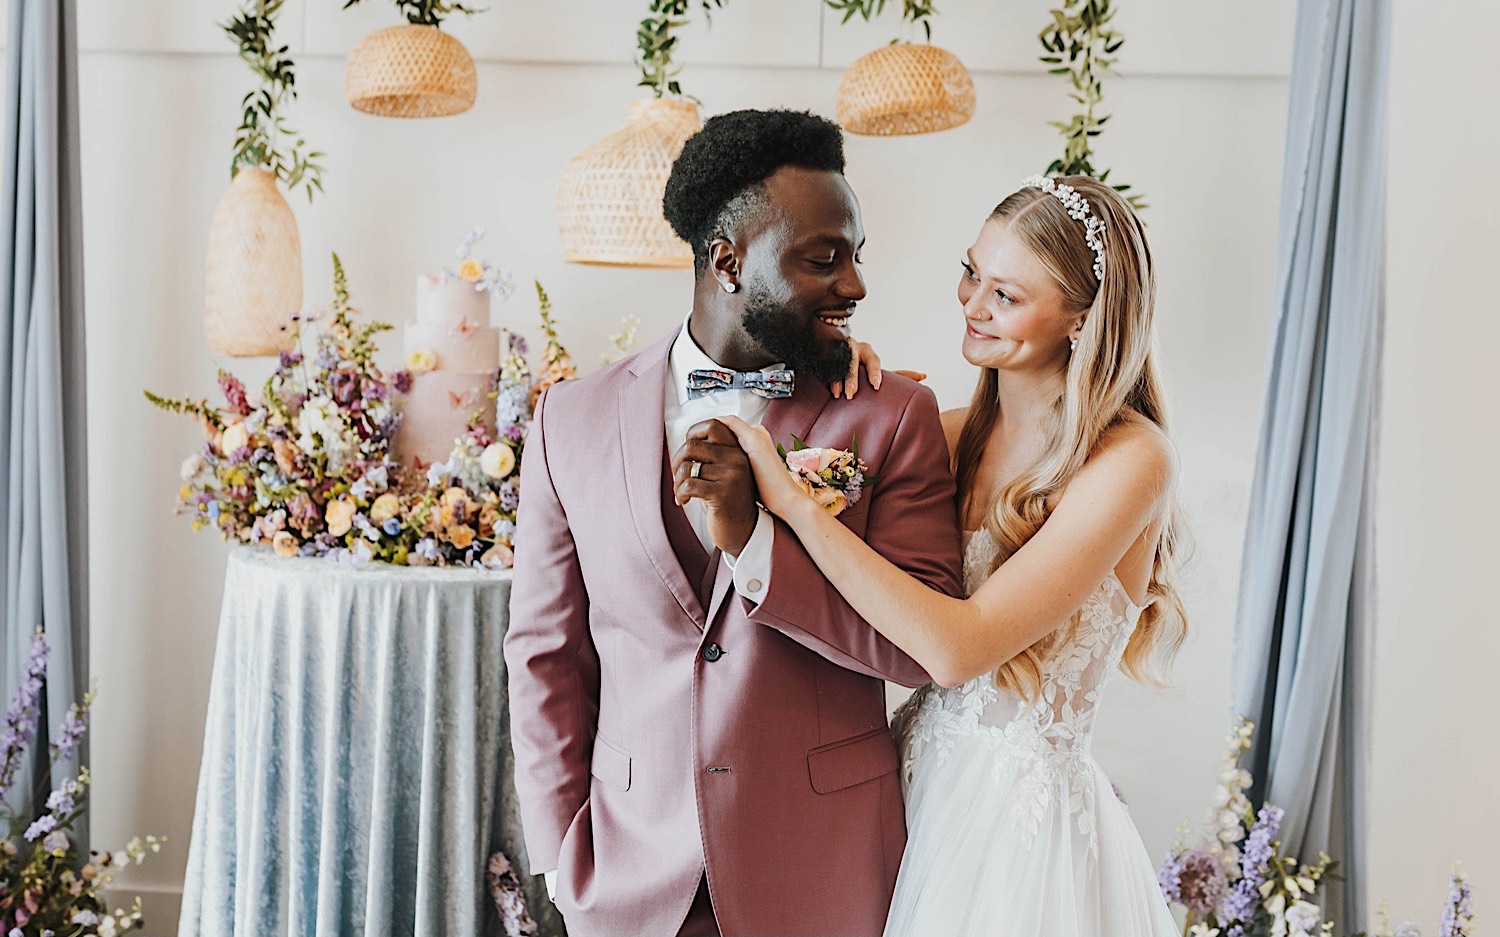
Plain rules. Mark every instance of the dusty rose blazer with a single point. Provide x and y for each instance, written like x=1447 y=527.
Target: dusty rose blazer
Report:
x=643 y=755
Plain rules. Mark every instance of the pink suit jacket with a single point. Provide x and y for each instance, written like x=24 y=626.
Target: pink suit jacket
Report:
x=642 y=761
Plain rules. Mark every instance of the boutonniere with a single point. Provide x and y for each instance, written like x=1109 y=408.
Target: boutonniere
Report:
x=835 y=478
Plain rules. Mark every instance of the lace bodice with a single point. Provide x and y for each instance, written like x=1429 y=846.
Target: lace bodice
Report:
x=1043 y=744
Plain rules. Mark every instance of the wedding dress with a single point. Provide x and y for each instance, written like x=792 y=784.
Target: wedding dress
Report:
x=1013 y=828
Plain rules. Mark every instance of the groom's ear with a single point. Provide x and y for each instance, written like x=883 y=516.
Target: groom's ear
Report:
x=724 y=264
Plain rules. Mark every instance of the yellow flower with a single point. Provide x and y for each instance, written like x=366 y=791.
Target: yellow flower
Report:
x=284 y=544
x=497 y=460
x=488 y=516
x=385 y=507
x=454 y=496
x=420 y=361
x=460 y=536
x=471 y=270
x=340 y=516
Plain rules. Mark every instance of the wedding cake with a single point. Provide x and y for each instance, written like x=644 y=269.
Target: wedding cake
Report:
x=453 y=355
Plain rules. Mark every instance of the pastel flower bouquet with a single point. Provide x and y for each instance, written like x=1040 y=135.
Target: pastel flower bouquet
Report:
x=835 y=478
x=1239 y=883
x=305 y=467
x=46 y=888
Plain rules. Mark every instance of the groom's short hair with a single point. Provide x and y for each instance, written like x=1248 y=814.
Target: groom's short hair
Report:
x=718 y=179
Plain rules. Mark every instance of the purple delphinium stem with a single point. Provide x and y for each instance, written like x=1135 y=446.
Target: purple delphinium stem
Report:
x=75 y=724
x=21 y=718
x=1457 y=915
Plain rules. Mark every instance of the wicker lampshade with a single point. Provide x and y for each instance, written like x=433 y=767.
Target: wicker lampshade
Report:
x=410 y=71
x=609 y=199
x=254 y=275
x=904 y=89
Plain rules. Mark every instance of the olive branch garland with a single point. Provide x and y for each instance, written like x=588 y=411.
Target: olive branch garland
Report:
x=915 y=12
x=1080 y=43
x=655 y=39
x=257 y=140
x=428 y=12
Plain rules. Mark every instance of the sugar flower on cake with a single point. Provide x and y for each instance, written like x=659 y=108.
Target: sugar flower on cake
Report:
x=483 y=275
x=420 y=361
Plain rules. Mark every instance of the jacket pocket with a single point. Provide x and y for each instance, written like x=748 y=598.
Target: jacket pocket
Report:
x=853 y=761
x=610 y=765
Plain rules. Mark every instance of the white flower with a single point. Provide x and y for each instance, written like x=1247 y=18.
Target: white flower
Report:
x=191 y=466
x=107 y=926
x=497 y=460
x=1202 y=930
x=1302 y=917
x=86 y=918
x=1408 y=929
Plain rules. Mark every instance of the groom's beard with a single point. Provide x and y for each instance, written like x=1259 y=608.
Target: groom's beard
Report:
x=792 y=338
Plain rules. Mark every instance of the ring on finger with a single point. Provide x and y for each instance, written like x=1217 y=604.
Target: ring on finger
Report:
x=697 y=467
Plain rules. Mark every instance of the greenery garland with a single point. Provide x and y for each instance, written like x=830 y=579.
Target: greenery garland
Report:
x=257 y=140
x=428 y=12
x=915 y=12
x=655 y=40
x=1080 y=43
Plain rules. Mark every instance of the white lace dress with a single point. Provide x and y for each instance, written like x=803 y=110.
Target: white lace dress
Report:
x=1013 y=828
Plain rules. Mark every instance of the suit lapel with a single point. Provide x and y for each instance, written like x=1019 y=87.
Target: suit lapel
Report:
x=793 y=416
x=642 y=405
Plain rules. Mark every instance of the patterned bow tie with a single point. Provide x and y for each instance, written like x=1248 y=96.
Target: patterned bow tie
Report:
x=772 y=384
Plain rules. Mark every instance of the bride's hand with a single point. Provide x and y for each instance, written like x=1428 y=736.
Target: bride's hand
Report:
x=779 y=492
x=862 y=355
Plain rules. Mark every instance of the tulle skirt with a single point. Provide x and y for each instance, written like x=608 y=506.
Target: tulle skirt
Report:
x=1004 y=847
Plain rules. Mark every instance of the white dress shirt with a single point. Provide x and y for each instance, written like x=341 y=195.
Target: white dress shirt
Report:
x=752 y=568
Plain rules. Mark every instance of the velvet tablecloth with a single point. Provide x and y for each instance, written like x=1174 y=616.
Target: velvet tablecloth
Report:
x=356 y=770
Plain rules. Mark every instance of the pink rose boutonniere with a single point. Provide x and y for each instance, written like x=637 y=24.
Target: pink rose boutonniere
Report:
x=835 y=478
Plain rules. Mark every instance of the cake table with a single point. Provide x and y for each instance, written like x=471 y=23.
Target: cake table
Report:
x=356 y=771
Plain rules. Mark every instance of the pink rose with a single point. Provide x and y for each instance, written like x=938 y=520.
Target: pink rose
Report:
x=811 y=461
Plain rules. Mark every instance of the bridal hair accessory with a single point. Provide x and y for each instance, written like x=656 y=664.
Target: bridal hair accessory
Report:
x=835 y=478
x=1078 y=208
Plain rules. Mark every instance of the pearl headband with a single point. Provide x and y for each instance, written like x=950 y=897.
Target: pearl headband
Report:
x=1078 y=208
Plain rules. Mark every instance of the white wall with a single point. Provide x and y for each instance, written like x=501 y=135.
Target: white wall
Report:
x=1198 y=128
x=1436 y=797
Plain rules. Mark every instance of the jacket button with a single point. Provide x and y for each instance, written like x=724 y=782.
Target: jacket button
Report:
x=712 y=652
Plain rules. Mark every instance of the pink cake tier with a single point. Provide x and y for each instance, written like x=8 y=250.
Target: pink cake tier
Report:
x=452 y=332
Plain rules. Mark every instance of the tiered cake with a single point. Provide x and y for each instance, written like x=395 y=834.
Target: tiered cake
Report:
x=453 y=354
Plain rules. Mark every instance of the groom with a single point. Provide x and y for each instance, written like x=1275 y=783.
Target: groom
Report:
x=698 y=717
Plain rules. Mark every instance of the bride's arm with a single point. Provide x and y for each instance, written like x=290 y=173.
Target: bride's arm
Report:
x=1104 y=509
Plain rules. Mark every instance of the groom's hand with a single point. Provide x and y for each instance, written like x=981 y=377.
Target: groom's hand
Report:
x=724 y=483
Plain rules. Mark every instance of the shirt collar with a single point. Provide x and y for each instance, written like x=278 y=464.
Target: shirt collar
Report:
x=686 y=357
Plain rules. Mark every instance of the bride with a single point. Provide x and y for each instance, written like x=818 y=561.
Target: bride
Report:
x=1065 y=479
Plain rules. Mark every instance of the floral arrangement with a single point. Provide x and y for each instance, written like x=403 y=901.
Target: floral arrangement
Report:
x=1238 y=883
x=835 y=478
x=305 y=467
x=485 y=276
x=44 y=891
x=1457 y=920
x=509 y=897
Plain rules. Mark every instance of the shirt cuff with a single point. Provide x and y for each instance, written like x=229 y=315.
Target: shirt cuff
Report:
x=550 y=878
x=752 y=569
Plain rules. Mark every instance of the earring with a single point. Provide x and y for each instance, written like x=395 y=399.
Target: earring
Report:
x=731 y=287
x=1073 y=344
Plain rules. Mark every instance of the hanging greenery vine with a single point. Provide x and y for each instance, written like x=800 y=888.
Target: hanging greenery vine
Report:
x=427 y=12
x=915 y=12
x=1080 y=43
x=655 y=40
x=258 y=139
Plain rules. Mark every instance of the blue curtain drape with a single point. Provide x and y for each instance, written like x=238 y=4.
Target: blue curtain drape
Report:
x=1305 y=616
x=43 y=495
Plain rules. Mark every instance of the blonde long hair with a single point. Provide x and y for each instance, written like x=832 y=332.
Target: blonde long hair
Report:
x=1111 y=378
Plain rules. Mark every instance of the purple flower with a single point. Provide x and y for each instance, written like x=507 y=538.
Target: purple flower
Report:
x=75 y=724
x=21 y=717
x=1169 y=877
x=288 y=359
x=44 y=824
x=392 y=527
x=1457 y=915
x=1201 y=882
x=56 y=840
x=401 y=380
x=344 y=385
x=60 y=801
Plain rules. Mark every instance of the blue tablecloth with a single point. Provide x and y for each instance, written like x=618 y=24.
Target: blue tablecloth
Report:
x=356 y=768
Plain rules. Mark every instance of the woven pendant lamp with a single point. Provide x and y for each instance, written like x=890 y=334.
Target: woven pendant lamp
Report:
x=410 y=71
x=904 y=89
x=609 y=198
x=253 y=278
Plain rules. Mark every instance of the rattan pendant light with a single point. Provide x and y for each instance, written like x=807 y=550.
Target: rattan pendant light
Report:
x=253 y=280
x=410 y=71
x=609 y=198
x=905 y=88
